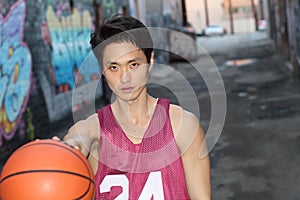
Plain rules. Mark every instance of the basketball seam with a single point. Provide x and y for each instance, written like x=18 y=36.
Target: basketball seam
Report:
x=56 y=171
x=86 y=192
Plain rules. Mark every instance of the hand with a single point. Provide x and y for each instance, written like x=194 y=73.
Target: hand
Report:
x=59 y=140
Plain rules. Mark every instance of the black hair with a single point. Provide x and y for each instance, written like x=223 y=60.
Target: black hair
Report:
x=122 y=28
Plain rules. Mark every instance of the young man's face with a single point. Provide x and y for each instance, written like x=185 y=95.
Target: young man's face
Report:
x=126 y=69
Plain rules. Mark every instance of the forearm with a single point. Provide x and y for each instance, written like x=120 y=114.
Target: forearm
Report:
x=198 y=179
x=78 y=141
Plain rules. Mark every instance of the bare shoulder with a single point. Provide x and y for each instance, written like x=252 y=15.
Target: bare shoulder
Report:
x=181 y=117
x=186 y=127
x=88 y=126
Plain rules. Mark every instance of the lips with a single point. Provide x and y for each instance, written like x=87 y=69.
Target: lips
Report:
x=127 y=89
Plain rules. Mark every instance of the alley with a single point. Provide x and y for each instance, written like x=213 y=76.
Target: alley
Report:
x=256 y=154
x=234 y=64
x=255 y=157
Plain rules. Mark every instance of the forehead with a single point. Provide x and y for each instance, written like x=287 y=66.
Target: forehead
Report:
x=121 y=51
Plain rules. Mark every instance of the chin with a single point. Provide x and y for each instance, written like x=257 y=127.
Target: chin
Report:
x=129 y=96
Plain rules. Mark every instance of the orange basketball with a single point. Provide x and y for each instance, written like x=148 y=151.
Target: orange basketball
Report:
x=47 y=170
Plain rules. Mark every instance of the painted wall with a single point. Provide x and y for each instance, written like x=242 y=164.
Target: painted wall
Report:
x=66 y=31
x=45 y=54
x=15 y=70
x=111 y=7
x=43 y=46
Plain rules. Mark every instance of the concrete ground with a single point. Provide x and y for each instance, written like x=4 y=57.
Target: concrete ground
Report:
x=256 y=156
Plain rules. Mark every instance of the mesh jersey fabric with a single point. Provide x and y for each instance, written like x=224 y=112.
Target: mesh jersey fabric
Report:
x=151 y=169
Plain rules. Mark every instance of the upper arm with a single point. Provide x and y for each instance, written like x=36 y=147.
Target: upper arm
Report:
x=83 y=133
x=190 y=139
x=197 y=167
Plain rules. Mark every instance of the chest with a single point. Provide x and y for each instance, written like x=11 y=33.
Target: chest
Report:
x=133 y=132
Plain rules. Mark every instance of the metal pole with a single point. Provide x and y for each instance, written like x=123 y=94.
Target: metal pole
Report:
x=262 y=15
x=184 y=16
x=230 y=16
x=206 y=12
x=254 y=14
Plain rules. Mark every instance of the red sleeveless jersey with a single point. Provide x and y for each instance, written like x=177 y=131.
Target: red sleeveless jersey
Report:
x=150 y=170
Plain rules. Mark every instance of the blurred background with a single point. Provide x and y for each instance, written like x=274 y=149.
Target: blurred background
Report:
x=255 y=45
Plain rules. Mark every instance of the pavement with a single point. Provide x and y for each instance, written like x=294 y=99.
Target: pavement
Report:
x=256 y=154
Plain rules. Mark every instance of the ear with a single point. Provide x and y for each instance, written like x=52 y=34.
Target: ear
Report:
x=101 y=74
x=151 y=61
x=102 y=70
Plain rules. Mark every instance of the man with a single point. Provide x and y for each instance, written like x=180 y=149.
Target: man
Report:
x=139 y=147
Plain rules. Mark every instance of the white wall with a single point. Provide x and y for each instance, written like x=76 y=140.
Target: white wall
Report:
x=196 y=16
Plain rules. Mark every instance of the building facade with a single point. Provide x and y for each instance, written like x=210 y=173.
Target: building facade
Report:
x=283 y=17
x=216 y=12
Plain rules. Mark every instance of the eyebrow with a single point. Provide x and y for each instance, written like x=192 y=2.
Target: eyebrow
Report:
x=129 y=61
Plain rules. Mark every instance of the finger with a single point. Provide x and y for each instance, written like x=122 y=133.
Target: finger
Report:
x=56 y=138
x=76 y=147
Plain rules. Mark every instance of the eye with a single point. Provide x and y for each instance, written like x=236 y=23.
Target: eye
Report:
x=113 y=68
x=134 y=65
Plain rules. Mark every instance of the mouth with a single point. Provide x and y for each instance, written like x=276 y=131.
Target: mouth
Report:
x=127 y=89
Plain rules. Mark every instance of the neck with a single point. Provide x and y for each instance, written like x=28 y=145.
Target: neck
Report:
x=137 y=111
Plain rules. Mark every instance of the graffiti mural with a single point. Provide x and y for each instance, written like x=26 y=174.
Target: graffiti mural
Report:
x=70 y=30
x=15 y=70
x=111 y=7
x=65 y=31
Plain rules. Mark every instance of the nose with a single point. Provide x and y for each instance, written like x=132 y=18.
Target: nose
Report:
x=125 y=77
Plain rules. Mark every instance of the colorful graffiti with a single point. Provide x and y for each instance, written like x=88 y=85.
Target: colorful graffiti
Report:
x=109 y=8
x=15 y=70
x=30 y=130
x=70 y=31
x=65 y=30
